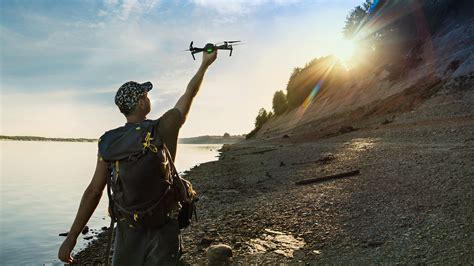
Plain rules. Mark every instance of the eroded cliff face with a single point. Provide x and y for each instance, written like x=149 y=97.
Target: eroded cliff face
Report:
x=443 y=63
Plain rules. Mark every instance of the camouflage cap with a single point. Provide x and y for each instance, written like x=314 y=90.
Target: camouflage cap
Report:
x=128 y=94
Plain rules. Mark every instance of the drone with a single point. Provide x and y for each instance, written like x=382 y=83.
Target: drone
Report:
x=209 y=48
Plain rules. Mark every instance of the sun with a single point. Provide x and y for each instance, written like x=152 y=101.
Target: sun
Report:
x=344 y=50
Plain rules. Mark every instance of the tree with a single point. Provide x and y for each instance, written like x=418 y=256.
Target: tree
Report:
x=280 y=104
x=353 y=21
x=226 y=135
x=360 y=15
x=262 y=117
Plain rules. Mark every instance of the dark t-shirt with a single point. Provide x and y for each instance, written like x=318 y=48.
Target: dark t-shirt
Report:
x=168 y=129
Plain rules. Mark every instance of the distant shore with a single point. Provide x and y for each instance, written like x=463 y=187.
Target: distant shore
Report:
x=194 y=140
x=35 y=138
x=211 y=140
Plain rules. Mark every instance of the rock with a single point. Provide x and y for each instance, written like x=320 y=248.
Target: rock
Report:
x=104 y=228
x=88 y=237
x=282 y=164
x=386 y=121
x=286 y=136
x=346 y=129
x=373 y=243
x=63 y=234
x=220 y=254
x=206 y=240
x=327 y=158
x=85 y=230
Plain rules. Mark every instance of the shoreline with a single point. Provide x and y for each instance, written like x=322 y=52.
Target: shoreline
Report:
x=406 y=205
x=202 y=140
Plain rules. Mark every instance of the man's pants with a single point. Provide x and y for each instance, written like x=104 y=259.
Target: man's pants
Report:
x=147 y=246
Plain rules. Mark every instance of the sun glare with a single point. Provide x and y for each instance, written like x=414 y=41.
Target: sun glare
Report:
x=345 y=50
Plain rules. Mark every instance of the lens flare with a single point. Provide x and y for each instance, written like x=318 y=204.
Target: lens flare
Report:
x=373 y=6
x=310 y=97
x=314 y=92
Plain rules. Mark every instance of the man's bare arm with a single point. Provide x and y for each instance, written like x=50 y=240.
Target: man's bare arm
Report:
x=90 y=200
x=185 y=101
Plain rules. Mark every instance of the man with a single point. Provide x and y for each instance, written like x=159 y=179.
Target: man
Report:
x=149 y=247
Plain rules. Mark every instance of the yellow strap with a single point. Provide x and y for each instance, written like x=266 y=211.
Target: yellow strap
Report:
x=148 y=144
x=135 y=217
x=116 y=169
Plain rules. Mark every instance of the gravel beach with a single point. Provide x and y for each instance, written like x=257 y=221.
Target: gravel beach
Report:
x=411 y=203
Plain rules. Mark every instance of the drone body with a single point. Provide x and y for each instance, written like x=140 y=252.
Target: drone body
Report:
x=209 y=48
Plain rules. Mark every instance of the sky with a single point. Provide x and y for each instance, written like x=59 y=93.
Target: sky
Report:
x=61 y=62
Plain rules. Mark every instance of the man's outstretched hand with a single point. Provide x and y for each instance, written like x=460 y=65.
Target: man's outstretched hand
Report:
x=65 y=250
x=208 y=58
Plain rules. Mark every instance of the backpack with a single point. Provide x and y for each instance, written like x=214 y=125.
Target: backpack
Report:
x=143 y=186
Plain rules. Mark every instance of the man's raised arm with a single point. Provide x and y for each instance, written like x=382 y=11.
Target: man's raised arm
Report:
x=184 y=102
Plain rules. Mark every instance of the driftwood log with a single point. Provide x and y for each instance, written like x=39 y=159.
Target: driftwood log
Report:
x=324 y=178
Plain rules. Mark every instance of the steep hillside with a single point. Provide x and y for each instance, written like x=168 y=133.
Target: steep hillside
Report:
x=445 y=62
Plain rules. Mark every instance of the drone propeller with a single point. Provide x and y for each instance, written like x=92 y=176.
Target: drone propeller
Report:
x=226 y=42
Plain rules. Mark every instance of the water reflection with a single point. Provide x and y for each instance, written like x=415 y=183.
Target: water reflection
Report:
x=41 y=184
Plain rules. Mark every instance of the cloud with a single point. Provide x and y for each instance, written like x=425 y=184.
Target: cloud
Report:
x=125 y=8
x=240 y=7
x=80 y=54
x=230 y=7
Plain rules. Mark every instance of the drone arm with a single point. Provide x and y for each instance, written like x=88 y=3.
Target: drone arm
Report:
x=195 y=51
x=224 y=47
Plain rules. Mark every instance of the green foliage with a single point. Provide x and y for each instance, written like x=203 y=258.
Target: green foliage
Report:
x=296 y=72
x=280 y=104
x=252 y=133
x=262 y=117
x=360 y=15
x=226 y=135
x=353 y=21
x=299 y=86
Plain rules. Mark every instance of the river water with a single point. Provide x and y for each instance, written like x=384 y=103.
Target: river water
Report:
x=41 y=184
